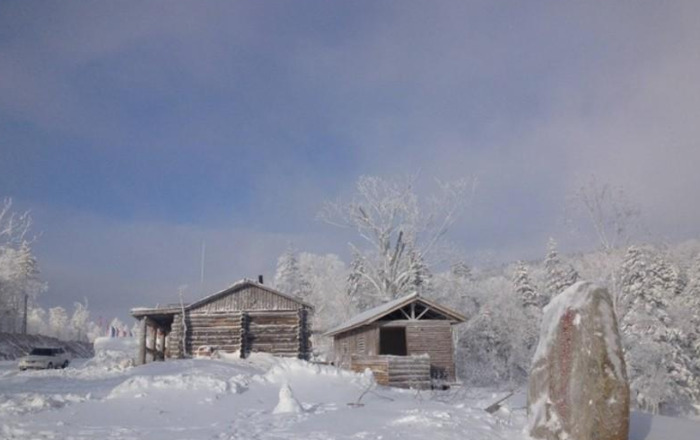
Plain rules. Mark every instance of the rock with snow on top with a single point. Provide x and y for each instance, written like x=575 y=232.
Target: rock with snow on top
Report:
x=287 y=402
x=578 y=388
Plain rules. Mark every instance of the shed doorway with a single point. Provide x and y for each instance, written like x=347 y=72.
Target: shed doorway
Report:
x=392 y=341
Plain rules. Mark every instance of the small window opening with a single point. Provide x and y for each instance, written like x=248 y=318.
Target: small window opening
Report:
x=392 y=341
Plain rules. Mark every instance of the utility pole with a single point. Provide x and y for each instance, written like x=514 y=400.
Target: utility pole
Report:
x=24 y=322
x=201 y=279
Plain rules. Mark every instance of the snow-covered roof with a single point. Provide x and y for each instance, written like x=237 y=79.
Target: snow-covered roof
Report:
x=376 y=313
x=238 y=285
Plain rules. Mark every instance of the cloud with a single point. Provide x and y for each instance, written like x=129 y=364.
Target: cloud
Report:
x=140 y=130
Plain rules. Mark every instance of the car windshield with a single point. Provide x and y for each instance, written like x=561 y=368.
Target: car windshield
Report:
x=41 y=352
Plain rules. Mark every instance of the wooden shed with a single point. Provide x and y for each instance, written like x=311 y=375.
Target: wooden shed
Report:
x=246 y=317
x=406 y=342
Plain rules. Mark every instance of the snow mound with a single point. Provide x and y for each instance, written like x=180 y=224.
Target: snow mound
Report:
x=114 y=353
x=139 y=385
x=191 y=376
x=281 y=370
x=288 y=404
x=24 y=403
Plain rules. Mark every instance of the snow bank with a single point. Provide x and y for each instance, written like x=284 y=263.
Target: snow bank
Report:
x=236 y=399
x=24 y=403
x=198 y=377
x=114 y=353
x=282 y=370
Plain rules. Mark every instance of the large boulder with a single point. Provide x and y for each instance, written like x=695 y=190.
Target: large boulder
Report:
x=578 y=387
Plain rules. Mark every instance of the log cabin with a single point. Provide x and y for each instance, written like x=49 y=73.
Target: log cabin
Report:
x=407 y=342
x=244 y=318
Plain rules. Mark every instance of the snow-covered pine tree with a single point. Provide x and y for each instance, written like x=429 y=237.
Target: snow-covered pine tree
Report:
x=462 y=288
x=462 y=270
x=356 y=287
x=27 y=280
x=660 y=370
x=558 y=275
x=288 y=277
x=497 y=342
x=420 y=274
x=691 y=296
x=522 y=285
x=687 y=313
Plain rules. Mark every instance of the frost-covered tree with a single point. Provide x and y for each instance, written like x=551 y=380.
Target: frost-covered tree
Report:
x=36 y=321
x=525 y=291
x=118 y=329
x=58 y=322
x=686 y=313
x=357 y=289
x=288 y=277
x=324 y=276
x=690 y=299
x=79 y=321
x=457 y=288
x=660 y=370
x=496 y=344
x=420 y=273
x=607 y=211
x=401 y=235
x=462 y=270
x=19 y=281
x=94 y=331
x=558 y=275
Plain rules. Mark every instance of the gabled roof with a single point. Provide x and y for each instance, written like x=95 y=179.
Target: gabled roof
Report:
x=376 y=313
x=239 y=285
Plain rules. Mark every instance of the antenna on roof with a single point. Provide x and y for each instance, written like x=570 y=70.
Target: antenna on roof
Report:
x=201 y=279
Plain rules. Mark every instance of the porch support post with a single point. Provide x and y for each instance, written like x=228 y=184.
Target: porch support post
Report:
x=142 y=341
x=160 y=342
x=153 y=335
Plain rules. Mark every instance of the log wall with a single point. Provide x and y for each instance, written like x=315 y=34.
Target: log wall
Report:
x=396 y=371
x=281 y=333
x=220 y=330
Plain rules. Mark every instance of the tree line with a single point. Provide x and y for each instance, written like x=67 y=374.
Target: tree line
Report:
x=402 y=247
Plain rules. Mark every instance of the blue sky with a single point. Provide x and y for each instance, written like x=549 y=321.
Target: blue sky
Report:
x=135 y=130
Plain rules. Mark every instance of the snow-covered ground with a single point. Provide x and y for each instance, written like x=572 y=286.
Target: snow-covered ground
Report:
x=257 y=398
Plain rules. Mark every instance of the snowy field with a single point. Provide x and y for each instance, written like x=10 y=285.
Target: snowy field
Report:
x=249 y=399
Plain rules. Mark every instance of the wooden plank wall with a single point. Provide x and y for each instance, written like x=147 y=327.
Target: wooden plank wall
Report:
x=396 y=371
x=251 y=298
x=433 y=338
x=362 y=341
